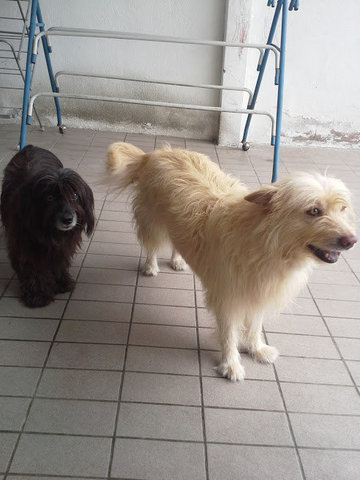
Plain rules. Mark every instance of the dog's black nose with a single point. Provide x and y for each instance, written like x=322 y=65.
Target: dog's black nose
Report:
x=67 y=218
x=347 y=241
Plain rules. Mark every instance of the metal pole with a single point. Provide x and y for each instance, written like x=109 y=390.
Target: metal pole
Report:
x=280 y=97
x=262 y=70
x=49 y=66
x=28 y=73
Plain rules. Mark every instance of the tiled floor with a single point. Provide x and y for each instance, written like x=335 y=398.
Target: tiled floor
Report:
x=116 y=380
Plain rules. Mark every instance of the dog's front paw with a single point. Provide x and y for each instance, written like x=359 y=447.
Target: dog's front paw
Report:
x=65 y=284
x=266 y=354
x=178 y=264
x=36 y=301
x=150 y=270
x=233 y=371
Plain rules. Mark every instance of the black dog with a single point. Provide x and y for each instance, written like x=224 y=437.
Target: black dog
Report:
x=44 y=209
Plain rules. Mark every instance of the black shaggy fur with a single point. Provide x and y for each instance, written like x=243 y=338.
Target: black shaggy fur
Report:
x=44 y=209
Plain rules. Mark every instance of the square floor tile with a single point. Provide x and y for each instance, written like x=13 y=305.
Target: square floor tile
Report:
x=227 y=462
x=167 y=422
x=113 y=293
x=92 y=332
x=139 y=459
x=7 y=444
x=13 y=412
x=165 y=296
x=326 y=431
x=303 y=306
x=245 y=426
x=107 y=276
x=118 y=262
x=162 y=360
x=339 y=308
x=74 y=417
x=86 y=356
x=167 y=315
x=349 y=348
x=344 y=327
x=303 y=345
x=23 y=354
x=354 y=368
x=309 y=398
x=253 y=394
x=62 y=455
x=312 y=370
x=88 y=310
x=18 y=381
x=163 y=336
x=296 y=324
x=27 y=328
x=80 y=384
x=326 y=464
x=155 y=388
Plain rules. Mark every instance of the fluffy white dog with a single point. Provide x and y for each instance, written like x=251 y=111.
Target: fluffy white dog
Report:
x=252 y=251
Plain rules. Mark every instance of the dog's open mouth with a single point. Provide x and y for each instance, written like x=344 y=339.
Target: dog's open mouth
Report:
x=328 y=256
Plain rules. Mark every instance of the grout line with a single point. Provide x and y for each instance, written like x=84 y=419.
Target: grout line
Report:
x=201 y=385
x=287 y=417
x=123 y=374
x=357 y=389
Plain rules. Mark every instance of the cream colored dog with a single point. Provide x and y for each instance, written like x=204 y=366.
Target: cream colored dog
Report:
x=252 y=251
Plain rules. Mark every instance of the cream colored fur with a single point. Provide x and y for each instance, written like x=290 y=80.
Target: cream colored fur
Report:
x=248 y=249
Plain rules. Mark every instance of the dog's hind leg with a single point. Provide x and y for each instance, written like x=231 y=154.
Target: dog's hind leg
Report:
x=177 y=262
x=230 y=366
x=253 y=341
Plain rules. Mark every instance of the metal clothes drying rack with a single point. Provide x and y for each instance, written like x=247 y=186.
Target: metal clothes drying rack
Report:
x=12 y=48
x=282 y=7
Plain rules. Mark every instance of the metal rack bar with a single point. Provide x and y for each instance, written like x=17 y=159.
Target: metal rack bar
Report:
x=20 y=72
x=146 y=102
x=90 y=33
x=158 y=82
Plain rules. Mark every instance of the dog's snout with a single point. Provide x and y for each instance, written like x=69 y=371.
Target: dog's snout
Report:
x=67 y=218
x=347 y=241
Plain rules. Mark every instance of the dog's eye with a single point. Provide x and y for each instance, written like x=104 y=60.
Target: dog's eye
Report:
x=75 y=196
x=314 y=212
x=343 y=208
x=50 y=198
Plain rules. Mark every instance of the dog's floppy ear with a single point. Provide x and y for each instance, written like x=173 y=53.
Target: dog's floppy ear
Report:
x=262 y=197
x=88 y=205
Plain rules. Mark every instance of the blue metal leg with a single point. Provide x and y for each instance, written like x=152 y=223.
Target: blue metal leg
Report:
x=28 y=74
x=262 y=69
x=280 y=97
x=49 y=66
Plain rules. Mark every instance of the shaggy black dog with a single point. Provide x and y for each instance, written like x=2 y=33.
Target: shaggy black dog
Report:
x=44 y=209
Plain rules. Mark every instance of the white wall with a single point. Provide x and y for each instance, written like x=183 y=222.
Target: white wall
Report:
x=322 y=99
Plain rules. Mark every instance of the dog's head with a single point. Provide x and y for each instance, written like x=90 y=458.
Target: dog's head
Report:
x=57 y=201
x=308 y=213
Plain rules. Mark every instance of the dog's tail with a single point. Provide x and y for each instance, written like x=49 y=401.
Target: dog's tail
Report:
x=124 y=163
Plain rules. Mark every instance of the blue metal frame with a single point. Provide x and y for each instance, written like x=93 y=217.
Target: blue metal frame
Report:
x=281 y=8
x=30 y=60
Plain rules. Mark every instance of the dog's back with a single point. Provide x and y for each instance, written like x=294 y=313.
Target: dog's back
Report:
x=193 y=178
